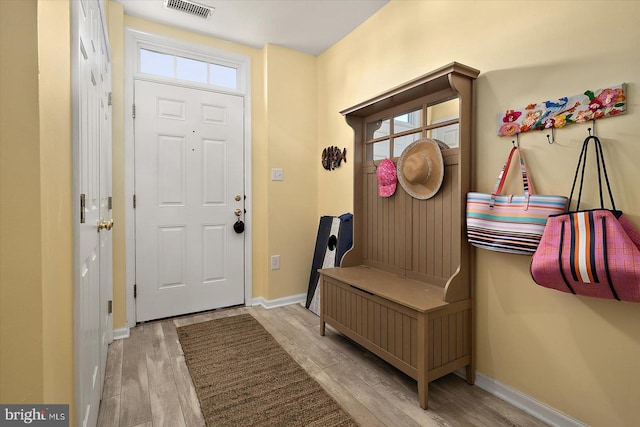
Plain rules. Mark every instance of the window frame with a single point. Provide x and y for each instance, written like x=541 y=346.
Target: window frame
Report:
x=208 y=56
x=421 y=104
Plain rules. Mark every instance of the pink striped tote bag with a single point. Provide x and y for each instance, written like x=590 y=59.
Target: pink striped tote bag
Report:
x=592 y=252
x=506 y=223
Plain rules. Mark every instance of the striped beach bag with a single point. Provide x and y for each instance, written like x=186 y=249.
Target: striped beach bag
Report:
x=512 y=224
x=593 y=252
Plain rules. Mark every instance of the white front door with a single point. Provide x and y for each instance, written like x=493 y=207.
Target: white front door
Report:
x=92 y=186
x=189 y=187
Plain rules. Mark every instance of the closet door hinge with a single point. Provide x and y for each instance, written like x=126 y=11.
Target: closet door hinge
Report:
x=134 y=111
x=135 y=291
x=110 y=307
x=134 y=201
x=83 y=205
x=110 y=203
x=110 y=99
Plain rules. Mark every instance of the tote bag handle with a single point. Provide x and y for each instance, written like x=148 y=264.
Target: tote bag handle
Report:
x=582 y=160
x=526 y=182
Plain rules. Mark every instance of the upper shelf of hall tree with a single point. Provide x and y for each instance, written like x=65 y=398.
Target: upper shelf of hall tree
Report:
x=434 y=82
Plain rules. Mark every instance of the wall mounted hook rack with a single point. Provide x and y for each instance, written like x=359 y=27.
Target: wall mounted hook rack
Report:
x=582 y=108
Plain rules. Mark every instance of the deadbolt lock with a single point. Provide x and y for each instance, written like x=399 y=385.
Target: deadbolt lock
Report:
x=238 y=197
x=238 y=212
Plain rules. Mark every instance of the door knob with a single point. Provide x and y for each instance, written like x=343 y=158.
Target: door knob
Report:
x=106 y=225
x=238 y=212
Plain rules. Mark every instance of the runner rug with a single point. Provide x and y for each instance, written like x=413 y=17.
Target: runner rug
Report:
x=244 y=378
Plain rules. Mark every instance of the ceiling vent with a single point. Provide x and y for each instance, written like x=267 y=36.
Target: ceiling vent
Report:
x=189 y=7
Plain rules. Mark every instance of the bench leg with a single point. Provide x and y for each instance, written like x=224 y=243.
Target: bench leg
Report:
x=423 y=394
x=423 y=360
x=322 y=324
x=471 y=374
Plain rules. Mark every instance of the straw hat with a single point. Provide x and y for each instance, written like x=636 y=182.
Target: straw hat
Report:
x=421 y=169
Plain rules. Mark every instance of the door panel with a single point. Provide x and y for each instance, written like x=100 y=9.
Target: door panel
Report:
x=92 y=187
x=171 y=171
x=172 y=257
x=188 y=171
x=214 y=174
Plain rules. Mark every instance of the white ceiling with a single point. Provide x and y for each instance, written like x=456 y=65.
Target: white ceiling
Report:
x=309 y=26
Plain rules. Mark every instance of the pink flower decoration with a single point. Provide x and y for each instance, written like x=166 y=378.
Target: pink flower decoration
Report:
x=509 y=129
x=607 y=97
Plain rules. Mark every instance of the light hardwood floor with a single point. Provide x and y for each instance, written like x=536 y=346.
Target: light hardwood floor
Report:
x=147 y=382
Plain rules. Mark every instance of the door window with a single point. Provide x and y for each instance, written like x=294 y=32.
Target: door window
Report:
x=187 y=69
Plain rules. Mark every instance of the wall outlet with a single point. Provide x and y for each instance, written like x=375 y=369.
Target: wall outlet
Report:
x=277 y=174
x=275 y=262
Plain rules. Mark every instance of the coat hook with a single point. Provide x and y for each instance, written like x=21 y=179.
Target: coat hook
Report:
x=593 y=125
x=553 y=136
x=516 y=143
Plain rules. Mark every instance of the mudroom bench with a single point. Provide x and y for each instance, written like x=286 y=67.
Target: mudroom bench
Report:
x=404 y=291
x=403 y=321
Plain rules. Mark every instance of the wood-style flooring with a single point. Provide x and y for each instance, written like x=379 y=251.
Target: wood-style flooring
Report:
x=147 y=383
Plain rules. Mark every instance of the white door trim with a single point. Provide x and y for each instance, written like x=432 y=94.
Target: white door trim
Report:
x=134 y=40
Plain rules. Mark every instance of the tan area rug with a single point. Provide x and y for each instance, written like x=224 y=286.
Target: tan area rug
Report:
x=243 y=377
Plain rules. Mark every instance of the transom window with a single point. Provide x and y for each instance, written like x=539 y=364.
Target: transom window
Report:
x=187 y=69
x=388 y=133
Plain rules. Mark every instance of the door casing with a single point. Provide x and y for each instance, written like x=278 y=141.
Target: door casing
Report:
x=135 y=40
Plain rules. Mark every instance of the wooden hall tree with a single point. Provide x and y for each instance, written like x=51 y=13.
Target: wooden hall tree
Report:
x=404 y=291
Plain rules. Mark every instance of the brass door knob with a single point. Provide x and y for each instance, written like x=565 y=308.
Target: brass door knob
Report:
x=106 y=225
x=238 y=212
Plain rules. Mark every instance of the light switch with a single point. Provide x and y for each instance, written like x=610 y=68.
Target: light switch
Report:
x=275 y=262
x=277 y=174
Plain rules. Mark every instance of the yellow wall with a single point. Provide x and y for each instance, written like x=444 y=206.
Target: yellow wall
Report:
x=116 y=43
x=291 y=145
x=36 y=289
x=56 y=187
x=578 y=355
x=21 y=313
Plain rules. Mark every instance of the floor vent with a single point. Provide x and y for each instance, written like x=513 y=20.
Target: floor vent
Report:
x=189 y=7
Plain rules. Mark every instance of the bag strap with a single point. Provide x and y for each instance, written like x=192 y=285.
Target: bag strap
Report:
x=582 y=161
x=502 y=176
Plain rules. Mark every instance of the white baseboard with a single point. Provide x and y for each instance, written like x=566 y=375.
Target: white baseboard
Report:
x=279 y=302
x=526 y=403
x=122 y=333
